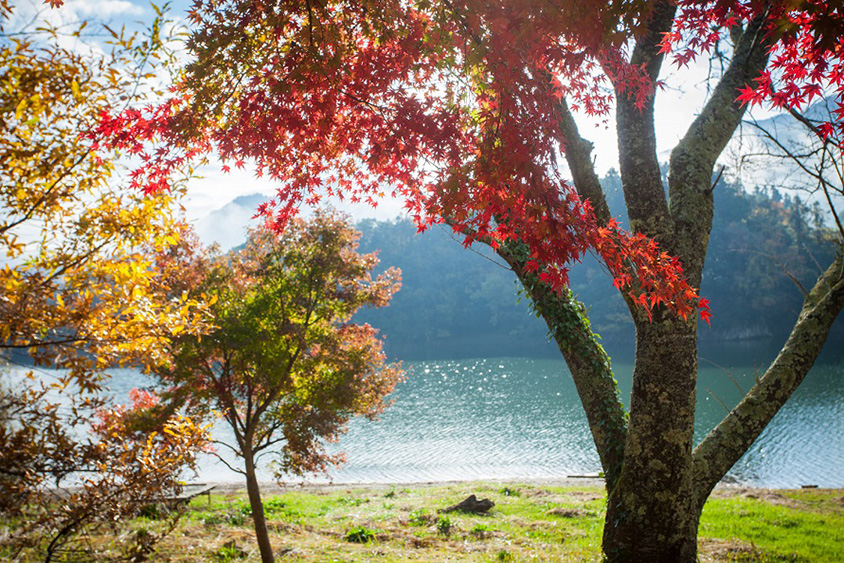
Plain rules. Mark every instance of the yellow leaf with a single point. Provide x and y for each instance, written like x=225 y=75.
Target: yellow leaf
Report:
x=20 y=109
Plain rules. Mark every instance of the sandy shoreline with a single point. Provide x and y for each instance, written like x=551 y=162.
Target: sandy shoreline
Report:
x=271 y=487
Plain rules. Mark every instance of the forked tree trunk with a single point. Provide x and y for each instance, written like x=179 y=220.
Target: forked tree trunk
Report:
x=257 y=507
x=654 y=510
x=655 y=483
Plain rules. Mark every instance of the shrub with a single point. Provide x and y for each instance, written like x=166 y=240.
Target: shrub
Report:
x=444 y=525
x=419 y=518
x=359 y=535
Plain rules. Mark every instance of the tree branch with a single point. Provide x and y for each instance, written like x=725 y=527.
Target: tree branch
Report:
x=45 y=195
x=644 y=195
x=693 y=159
x=727 y=442
x=578 y=153
x=801 y=161
x=228 y=465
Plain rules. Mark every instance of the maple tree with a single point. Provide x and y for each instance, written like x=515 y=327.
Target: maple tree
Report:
x=465 y=109
x=284 y=367
x=79 y=293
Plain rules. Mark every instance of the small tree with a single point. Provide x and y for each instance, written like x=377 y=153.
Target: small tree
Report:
x=285 y=367
x=115 y=472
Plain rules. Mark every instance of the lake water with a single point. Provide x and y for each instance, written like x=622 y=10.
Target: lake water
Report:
x=520 y=418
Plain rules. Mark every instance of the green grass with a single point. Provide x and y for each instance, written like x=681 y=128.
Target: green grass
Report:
x=528 y=523
x=403 y=524
x=779 y=525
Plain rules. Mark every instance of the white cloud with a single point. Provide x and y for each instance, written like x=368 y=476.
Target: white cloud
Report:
x=103 y=9
x=30 y=17
x=212 y=204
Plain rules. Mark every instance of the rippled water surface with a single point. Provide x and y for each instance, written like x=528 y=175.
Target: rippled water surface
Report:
x=469 y=419
x=514 y=418
x=518 y=418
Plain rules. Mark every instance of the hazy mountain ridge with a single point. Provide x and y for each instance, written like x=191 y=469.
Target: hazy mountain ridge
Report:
x=227 y=226
x=754 y=158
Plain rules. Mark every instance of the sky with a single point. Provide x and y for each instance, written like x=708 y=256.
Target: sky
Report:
x=677 y=104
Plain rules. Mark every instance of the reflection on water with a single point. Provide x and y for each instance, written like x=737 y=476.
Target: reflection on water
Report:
x=517 y=418
x=467 y=419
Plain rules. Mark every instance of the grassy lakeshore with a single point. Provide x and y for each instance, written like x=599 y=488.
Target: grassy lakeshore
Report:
x=530 y=522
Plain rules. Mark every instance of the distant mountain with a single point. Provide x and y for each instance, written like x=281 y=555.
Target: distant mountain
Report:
x=460 y=304
x=227 y=226
x=456 y=303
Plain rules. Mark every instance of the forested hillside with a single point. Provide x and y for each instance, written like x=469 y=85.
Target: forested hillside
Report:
x=459 y=303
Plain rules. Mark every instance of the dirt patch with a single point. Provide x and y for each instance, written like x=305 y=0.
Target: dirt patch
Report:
x=585 y=496
x=283 y=527
x=567 y=513
x=771 y=496
x=421 y=543
x=722 y=550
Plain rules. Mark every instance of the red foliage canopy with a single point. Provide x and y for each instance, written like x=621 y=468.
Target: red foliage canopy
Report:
x=451 y=105
x=806 y=39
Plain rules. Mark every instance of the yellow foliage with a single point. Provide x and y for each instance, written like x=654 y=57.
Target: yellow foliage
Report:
x=80 y=285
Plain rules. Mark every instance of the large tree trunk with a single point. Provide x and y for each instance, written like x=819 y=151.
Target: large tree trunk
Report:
x=656 y=484
x=651 y=515
x=260 y=522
